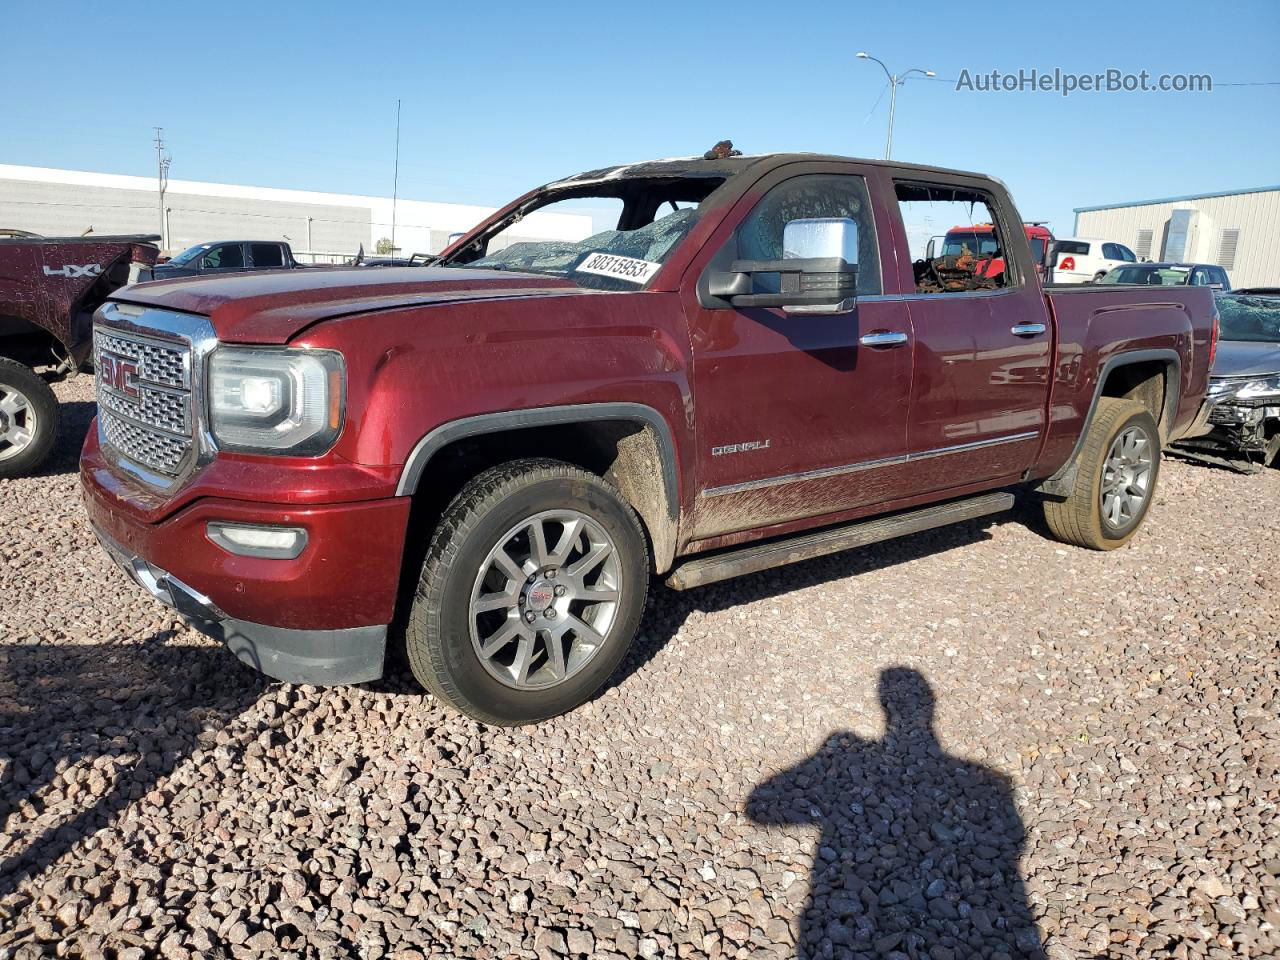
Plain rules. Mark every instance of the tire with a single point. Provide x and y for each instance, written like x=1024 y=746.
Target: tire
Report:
x=1083 y=518
x=458 y=652
x=1099 y=275
x=1271 y=453
x=28 y=420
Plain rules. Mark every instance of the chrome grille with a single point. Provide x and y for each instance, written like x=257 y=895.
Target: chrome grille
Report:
x=153 y=449
x=144 y=398
x=157 y=363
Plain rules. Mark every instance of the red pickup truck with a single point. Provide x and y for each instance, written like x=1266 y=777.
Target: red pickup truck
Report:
x=49 y=290
x=490 y=459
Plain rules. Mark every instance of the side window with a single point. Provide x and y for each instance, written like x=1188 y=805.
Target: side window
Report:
x=1111 y=251
x=1220 y=276
x=266 y=255
x=974 y=255
x=229 y=255
x=812 y=197
x=1126 y=254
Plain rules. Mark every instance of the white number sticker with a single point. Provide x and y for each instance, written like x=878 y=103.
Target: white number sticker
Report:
x=622 y=268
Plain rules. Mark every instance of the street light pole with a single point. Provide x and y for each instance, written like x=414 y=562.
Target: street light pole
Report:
x=895 y=80
x=162 y=181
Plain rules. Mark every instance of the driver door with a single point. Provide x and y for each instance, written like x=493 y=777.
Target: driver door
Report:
x=798 y=415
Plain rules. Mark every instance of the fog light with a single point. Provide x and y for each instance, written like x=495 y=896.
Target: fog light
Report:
x=281 y=543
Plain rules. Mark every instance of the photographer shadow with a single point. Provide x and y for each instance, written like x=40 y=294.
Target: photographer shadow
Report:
x=919 y=849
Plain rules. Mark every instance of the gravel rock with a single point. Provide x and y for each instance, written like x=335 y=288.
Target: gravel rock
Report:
x=970 y=743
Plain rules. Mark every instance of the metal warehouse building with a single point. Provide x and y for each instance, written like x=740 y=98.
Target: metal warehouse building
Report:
x=1236 y=229
x=327 y=226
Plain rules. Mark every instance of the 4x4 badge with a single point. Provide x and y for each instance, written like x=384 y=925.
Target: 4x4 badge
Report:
x=73 y=270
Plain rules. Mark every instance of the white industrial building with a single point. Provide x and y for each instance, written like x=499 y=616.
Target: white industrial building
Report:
x=321 y=227
x=1238 y=230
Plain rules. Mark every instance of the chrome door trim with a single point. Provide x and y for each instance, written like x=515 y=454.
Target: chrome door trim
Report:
x=801 y=477
x=1028 y=329
x=975 y=445
x=825 y=472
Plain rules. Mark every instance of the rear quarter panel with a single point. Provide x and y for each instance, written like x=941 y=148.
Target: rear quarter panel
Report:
x=1097 y=324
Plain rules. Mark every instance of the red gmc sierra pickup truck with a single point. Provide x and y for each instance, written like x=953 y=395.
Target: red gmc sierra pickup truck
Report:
x=489 y=459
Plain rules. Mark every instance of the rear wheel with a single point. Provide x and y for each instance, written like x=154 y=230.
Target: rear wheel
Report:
x=28 y=419
x=530 y=595
x=1119 y=463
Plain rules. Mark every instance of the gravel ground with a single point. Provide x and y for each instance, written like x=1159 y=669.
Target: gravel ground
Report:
x=975 y=742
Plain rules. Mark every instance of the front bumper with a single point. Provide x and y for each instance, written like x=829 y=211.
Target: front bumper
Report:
x=321 y=657
x=319 y=618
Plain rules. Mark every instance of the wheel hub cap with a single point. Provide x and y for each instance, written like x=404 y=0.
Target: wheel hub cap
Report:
x=540 y=595
x=545 y=599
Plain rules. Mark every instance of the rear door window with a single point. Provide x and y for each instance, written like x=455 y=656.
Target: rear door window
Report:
x=266 y=255
x=974 y=257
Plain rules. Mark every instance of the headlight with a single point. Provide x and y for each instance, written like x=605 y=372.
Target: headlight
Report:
x=1242 y=389
x=275 y=400
x=1267 y=387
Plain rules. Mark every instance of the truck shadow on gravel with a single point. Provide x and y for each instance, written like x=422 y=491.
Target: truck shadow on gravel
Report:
x=74 y=419
x=919 y=849
x=669 y=609
x=86 y=730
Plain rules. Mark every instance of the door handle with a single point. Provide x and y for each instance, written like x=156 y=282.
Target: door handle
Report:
x=885 y=339
x=1027 y=329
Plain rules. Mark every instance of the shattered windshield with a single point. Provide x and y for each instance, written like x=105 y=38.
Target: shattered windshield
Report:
x=1255 y=319
x=610 y=260
x=610 y=233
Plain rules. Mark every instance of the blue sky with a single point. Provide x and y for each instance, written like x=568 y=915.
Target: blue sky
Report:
x=499 y=97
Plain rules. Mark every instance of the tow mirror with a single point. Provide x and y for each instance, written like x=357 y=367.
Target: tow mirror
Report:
x=818 y=272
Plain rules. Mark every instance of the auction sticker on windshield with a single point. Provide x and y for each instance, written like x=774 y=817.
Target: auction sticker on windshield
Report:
x=622 y=268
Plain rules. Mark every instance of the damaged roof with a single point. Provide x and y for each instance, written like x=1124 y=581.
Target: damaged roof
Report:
x=723 y=168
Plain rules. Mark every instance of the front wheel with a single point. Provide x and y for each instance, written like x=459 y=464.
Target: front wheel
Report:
x=28 y=419
x=1119 y=463
x=530 y=595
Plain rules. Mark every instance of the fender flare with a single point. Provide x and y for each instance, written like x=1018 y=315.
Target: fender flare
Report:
x=447 y=433
x=1063 y=479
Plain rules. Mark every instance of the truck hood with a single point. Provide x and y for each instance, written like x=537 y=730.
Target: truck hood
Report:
x=1246 y=358
x=273 y=307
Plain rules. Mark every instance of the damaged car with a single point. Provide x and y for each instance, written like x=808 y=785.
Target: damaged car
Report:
x=1241 y=418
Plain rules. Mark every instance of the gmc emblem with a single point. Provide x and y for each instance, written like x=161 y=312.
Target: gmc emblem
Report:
x=119 y=374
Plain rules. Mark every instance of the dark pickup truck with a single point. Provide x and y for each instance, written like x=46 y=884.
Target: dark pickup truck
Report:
x=489 y=459
x=49 y=289
x=225 y=256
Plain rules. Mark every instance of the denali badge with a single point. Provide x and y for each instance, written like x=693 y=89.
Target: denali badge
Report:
x=73 y=270
x=118 y=374
x=740 y=447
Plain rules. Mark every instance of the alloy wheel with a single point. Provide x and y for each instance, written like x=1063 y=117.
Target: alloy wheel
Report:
x=545 y=599
x=17 y=422
x=1126 y=478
